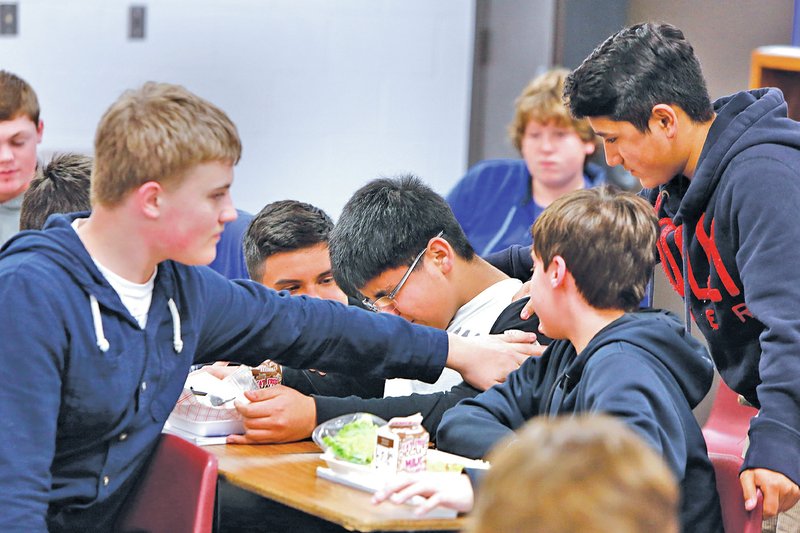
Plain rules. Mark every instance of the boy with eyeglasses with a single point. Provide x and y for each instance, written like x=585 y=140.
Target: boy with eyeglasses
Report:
x=593 y=252
x=415 y=262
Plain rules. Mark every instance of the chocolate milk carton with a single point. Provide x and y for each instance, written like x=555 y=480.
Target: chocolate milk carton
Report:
x=401 y=446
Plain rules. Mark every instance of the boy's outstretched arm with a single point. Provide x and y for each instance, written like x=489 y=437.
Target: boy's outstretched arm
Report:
x=484 y=361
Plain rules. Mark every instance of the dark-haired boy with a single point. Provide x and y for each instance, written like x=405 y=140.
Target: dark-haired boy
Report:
x=593 y=253
x=61 y=187
x=286 y=249
x=20 y=132
x=415 y=245
x=725 y=181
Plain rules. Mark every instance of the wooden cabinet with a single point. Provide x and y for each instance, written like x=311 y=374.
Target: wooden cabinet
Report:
x=778 y=66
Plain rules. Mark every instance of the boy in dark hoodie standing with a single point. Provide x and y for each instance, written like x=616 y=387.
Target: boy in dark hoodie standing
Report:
x=103 y=316
x=725 y=182
x=593 y=253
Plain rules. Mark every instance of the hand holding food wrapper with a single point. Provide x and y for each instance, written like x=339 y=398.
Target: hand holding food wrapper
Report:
x=206 y=405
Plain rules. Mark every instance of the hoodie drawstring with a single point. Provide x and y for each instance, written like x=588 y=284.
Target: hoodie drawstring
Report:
x=687 y=312
x=102 y=342
x=177 y=342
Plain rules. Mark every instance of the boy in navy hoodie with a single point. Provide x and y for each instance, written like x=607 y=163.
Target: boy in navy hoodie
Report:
x=725 y=182
x=103 y=316
x=593 y=253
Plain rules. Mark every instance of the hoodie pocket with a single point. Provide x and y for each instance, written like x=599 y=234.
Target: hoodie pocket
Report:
x=100 y=387
x=171 y=370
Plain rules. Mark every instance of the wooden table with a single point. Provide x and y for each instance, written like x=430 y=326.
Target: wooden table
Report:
x=287 y=473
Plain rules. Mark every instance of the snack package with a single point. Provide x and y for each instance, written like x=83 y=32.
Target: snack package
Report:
x=267 y=374
x=205 y=407
x=401 y=446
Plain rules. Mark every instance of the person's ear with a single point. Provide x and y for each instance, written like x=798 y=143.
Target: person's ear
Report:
x=149 y=199
x=589 y=147
x=557 y=271
x=39 y=131
x=441 y=253
x=664 y=119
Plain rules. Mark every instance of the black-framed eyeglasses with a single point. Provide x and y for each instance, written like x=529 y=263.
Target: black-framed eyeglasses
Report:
x=386 y=303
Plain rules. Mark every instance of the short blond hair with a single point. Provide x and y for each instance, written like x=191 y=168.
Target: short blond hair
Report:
x=541 y=100
x=586 y=473
x=157 y=133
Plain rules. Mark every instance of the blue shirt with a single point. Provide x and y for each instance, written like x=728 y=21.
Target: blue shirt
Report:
x=494 y=203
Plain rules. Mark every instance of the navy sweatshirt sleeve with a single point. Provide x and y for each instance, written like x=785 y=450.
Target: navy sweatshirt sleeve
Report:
x=476 y=424
x=767 y=260
x=243 y=320
x=332 y=384
x=514 y=261
x=33 y=364
x=432 y=406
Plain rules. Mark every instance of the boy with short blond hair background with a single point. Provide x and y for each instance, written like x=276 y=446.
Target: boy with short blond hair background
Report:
x=498 y=199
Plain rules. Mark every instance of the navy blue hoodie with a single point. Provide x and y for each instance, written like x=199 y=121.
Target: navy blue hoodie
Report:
x=86 y=390
x=728 y=241
x=643 y=368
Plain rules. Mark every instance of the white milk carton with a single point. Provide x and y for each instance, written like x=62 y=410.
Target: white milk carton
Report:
x=401 y=446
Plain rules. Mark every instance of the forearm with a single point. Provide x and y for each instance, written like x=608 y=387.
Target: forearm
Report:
x=431 y=406
x=470 y=430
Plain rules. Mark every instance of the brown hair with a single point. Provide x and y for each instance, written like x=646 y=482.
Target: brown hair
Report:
x=586 y=473
x=60 y=187
x=541 y=100
x=17 y=98
x=607 y=238
x=157 y=133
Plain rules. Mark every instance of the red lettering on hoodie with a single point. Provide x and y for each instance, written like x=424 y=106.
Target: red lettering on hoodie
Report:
x=711 y=319
x=671 y=267
x=712 y=252
x=741 y=311
x=672 y=263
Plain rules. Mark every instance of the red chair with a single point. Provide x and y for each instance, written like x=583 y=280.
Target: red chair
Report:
x=731 y=498
x=177 y=492
x=726 y=428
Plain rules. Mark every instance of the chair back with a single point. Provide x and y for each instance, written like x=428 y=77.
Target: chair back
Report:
x=726 y=428
x=731 y=498
x=177 y=492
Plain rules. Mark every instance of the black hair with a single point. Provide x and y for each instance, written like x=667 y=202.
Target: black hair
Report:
x=384 y=225
x=635 y=69
x=62 y=186
x=283 y=226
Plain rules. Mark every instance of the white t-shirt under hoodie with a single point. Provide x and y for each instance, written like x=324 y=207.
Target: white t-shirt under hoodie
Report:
x=476 y=317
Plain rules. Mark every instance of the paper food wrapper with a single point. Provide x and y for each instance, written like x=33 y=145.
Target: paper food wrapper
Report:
x=195 y=414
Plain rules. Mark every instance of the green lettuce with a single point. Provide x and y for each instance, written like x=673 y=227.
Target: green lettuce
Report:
x=355 y=442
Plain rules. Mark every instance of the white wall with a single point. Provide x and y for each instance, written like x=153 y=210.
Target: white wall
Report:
x=723 y=33
x=326 y=94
